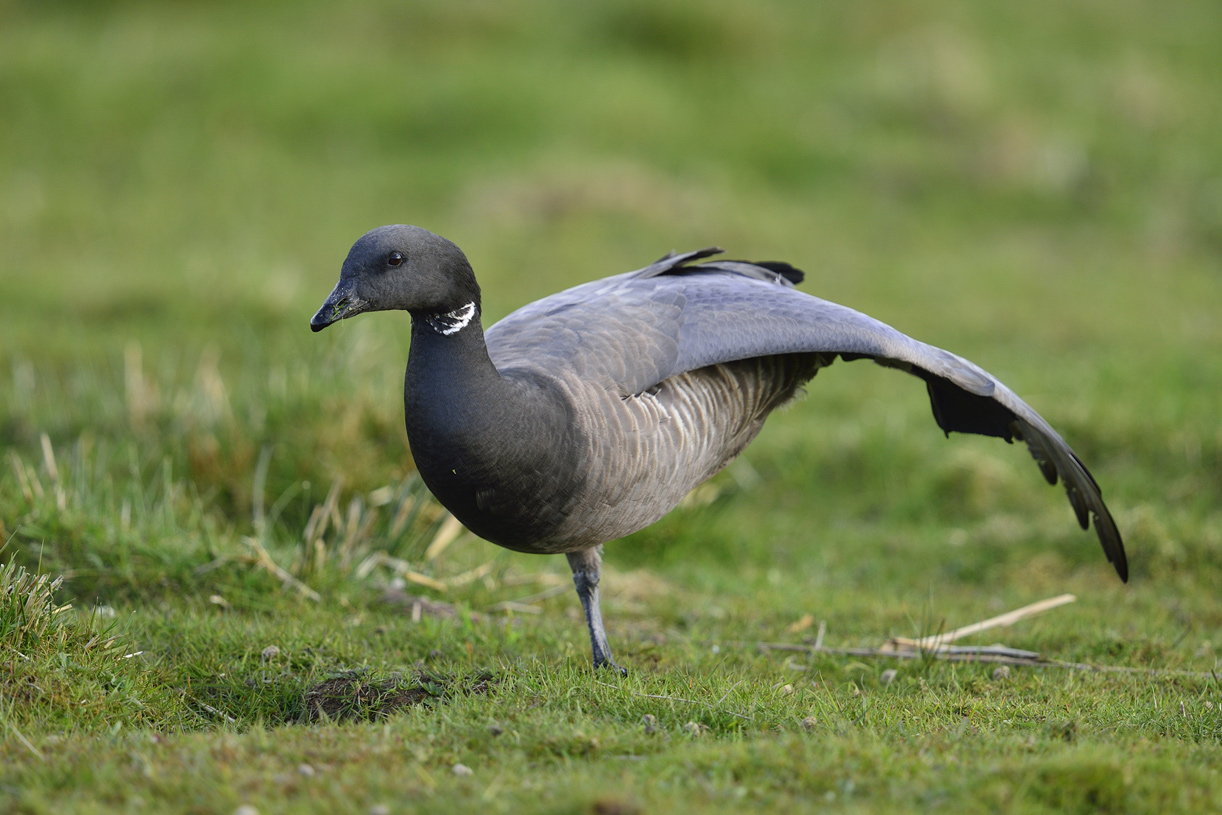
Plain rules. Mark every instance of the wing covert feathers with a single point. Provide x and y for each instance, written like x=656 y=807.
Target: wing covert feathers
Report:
x=630 y=332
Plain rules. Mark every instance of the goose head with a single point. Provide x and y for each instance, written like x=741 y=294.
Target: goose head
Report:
x=402 y=268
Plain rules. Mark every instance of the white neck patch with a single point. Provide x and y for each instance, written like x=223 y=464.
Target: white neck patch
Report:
x=452 y=321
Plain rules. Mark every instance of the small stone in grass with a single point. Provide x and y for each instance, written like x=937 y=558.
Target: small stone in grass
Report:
x=305 y=770
x=1002 y=672
x=246 y=809
x=462 y=769
x=496 y=729
x=650 y=723
x=379 y=809
x=695 y=728
x=810 y=723
x=888 y=676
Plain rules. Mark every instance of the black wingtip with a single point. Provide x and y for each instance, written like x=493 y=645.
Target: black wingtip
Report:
x=1121 y=562
x=1113 y=546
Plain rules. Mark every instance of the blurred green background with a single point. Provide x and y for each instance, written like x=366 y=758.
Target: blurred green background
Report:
x=1037 y=187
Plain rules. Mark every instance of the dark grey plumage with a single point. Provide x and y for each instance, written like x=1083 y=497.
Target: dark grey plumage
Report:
x=589 y=414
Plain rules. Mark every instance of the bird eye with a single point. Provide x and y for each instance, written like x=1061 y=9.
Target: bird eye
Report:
x=395 y=258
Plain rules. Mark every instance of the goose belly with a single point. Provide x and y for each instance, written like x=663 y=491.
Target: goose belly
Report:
x=645 y=452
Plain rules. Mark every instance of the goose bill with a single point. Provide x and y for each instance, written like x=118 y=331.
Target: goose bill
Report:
x=342 y=303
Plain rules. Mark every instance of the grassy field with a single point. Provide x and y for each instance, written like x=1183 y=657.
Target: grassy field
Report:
x=223 y=587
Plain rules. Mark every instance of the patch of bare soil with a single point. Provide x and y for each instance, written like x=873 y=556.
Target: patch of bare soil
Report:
x=354 y=695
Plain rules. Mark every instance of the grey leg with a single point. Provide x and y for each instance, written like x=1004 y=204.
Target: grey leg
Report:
x=585 y=565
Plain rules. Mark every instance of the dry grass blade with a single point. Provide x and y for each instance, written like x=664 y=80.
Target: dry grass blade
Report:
x=262 y=558
x=26 y=742
x=471 y=575
x=217 y=713
x=359 y=528
x=987 y=653
x=937 y=646
x=401 y=517
x=424 y=580
x=401 y=568
x=450 y=529
x=322 y=515
x=999 y=654
x=939 y=642
x=31 y=487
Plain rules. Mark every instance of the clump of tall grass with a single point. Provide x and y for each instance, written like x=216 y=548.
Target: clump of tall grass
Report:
x=112 y=536
x=107 y=535
x=28 y=609
x=72 y=670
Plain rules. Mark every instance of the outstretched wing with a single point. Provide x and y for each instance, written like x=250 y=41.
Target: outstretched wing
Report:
x=631 y=331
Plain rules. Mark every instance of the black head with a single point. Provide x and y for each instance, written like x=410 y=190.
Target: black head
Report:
x=400 y=267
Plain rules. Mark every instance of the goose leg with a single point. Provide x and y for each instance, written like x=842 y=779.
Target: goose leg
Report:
x=585 y=565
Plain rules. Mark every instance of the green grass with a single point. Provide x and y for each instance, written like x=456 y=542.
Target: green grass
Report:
x=212 y=533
